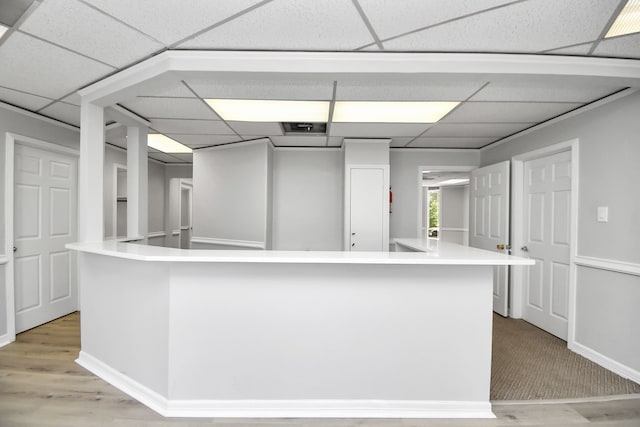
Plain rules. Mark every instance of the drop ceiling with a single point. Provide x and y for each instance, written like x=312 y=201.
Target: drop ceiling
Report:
x=55 y=48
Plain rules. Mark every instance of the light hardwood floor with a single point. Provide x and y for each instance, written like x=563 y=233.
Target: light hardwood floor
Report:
x=40 y=385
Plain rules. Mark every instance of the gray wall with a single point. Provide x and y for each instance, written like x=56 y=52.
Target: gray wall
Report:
x=608 y=303
x=454 y=214
x=14 y=122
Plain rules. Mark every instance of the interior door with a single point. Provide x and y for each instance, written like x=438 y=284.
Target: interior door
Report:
x=185 y=218
x=45 y=188
x=547 y=202
x=367 y=209
x=489 y=223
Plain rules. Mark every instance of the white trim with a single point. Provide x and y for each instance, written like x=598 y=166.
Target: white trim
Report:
x=282 y=148
x=562 y=117
x=606 y=362
x=302 y=408
x=39 y=117
x=3 y=259
x=175 y=232
x=6 y=339
x=435 y=150
x=608 y=265
x=517 y=225
x=453 y=229
x=154 y=234
x=422 y=168
x=235 y=145
x=228 y=242
x=184 y=227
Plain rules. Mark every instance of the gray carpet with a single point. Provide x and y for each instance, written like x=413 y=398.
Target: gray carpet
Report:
x=530 y=364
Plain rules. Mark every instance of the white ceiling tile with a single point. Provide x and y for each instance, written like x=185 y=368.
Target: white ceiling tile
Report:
x=33 y=66
x=119 y=141
x=507 y=112
x=581 y=49
x=400 y=142
x=389 y=17
x=83 y=29
x=66 y=112
x=74 y=99
x=620 y=47
x=566 y=90
x=171 y=108
x=256 y=128
x=373 y=130
x=204 y=140
x=164 y=157
x=475 y=130
x=299 y=141
x=22 y=99
x=170 y=21
x=433 y=89
x=530 y=26
x=450 y=142
x=176 y=90
x=185 y=157
x=335 y=141
x=214 y=127
x=291 y=25
x=289 y=89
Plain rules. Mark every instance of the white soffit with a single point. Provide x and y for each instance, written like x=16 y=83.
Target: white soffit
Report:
x=216 y=127
x=299 y=141
x=28 y=65
x=81 y=28
x=390 y=18
x=23 y=100
x=171 y=108
x=278 y=89
x=66 y=112
x=507 y=112
x=450 y=142
x=567 y=90
x=290 y=25
x=256 y=128
x=204 y=140
x=472 y=130
x=623 y=46
x=530 y=26
x=170 y=21
x=373 y=130
x=427 y=89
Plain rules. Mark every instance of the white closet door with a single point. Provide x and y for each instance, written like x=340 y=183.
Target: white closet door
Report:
x=45 y=186
x=367 y=206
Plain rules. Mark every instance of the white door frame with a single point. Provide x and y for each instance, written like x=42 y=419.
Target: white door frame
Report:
x=449 y=168
x=11 y=139
x=518 y=225
x=114 y=204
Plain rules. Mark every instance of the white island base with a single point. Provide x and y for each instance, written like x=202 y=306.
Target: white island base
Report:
x=282 y=334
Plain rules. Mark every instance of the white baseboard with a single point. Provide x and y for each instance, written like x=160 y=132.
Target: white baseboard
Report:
x=606 y=362
x=4 y=340
x=303 y=408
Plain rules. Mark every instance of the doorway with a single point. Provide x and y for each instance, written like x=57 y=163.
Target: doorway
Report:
x=186 y=228
x=41 y=218
x=119 y=203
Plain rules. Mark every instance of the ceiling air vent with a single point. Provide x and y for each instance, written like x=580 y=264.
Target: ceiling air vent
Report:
x=305 y=127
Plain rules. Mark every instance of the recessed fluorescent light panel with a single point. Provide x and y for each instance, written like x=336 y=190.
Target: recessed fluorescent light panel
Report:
x=391 y=112
x=166 y=144
x=628 y=21
x=261 y=110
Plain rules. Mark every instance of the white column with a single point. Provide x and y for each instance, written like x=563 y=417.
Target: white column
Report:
x=137 y=182
x=91 y=174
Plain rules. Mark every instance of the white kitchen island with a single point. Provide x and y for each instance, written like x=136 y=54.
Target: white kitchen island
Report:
x=203 y=333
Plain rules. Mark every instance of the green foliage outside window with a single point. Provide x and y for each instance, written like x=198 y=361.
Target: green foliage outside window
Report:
x=433 y=209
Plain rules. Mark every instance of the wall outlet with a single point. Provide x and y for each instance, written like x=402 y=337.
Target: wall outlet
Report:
x=603 y=214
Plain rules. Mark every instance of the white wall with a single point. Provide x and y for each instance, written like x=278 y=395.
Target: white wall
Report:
x=231 y=193
x=307 y=199
x=22 y=124
x=607 y=311
x=406 y=183
x=157 y=213
x=454 y=214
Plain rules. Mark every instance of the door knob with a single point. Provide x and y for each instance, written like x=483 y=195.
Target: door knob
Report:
x=15 y=249
x=524 y=249
x=353 y=244
x=500 y=247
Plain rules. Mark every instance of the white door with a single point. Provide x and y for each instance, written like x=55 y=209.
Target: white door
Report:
x=489 y=223
x=185 y=218
x=44 y=221
x=367 y=209
x=547 y=210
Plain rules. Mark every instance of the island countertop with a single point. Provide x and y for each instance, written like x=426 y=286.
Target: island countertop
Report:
x=431 y=252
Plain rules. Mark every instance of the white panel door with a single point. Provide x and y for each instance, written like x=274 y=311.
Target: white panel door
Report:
x=367 y=209
x=547 y=201
x=45 y=186
x=489 y=223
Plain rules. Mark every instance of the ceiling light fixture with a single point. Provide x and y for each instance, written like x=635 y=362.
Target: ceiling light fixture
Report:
x=627 y=22
x=262 y=110
x=391 y=112
x=167 y=145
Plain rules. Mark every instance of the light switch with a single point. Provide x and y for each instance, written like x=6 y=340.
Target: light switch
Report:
x=603 y=214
